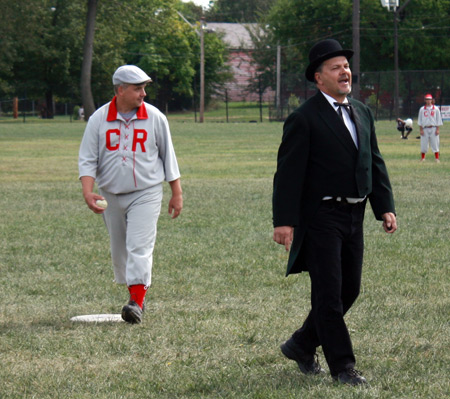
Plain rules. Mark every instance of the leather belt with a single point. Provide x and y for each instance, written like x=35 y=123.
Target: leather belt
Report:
x=427 y=127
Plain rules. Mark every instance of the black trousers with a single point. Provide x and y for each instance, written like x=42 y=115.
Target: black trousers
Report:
x=334 y=246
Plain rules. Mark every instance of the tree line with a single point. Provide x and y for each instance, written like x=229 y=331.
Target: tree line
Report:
x=42 y=49
x=295 y=25
x=42 y=43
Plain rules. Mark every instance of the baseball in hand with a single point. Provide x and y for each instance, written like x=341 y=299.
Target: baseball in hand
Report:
x=101 y=203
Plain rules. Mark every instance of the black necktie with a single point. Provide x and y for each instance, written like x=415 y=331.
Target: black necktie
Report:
x=347 y=107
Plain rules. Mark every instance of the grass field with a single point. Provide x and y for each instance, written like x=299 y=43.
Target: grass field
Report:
x=219 y=306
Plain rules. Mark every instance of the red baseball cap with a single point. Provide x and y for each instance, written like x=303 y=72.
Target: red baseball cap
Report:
x=428 y=97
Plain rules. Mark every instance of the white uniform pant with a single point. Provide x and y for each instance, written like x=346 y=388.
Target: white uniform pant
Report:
x=131 y=220
x=429 y=136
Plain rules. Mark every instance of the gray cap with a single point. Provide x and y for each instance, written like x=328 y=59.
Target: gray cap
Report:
x=130 y=74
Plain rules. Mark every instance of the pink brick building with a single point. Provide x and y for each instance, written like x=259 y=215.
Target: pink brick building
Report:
x=240 y=46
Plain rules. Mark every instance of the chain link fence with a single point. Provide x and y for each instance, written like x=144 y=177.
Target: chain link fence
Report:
x=260 y=104
x=23 y=109
x=376 y=91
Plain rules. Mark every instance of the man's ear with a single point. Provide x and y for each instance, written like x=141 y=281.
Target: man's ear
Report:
x=317 y=78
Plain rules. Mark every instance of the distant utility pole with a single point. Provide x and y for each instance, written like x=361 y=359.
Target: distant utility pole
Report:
x=278 y=91
x=397 y=10
x=202 y=70
x=203 y=29
x=356 y=49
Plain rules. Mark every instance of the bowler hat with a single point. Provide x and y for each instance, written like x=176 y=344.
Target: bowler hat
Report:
x=323 y=51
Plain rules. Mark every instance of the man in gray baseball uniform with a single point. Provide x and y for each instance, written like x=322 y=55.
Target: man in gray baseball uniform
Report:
x=127 y=150
x=429 y=121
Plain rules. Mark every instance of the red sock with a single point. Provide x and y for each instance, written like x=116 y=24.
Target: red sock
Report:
x=137 y=293
x=436 y=155
x=423 y=155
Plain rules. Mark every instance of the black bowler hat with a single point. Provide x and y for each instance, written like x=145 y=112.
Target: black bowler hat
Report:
x=323 y=51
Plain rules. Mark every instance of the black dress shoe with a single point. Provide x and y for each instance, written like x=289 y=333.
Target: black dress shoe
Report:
x=306 y=363
x=350 y=377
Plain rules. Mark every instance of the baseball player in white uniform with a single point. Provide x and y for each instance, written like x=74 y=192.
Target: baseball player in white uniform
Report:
x=127 y=150
x=429 y=121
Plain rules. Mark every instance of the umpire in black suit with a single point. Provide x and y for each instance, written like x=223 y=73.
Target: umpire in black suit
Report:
x=328 y=166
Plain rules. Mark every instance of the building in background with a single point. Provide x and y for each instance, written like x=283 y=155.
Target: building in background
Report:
x=237 y=38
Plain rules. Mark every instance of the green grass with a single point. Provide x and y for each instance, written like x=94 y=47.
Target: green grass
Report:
x=219 y=305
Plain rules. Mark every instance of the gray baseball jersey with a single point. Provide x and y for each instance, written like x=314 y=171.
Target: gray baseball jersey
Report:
x=429 y=116
x=130 y=156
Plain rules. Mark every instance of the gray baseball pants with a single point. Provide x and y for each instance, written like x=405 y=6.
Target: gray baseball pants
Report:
x=429 y=136
x=131 y=220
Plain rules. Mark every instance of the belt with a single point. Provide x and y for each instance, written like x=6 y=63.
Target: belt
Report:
x=427 y=127
x=345 y=200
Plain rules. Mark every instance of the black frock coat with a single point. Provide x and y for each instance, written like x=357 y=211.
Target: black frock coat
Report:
x=317 y=158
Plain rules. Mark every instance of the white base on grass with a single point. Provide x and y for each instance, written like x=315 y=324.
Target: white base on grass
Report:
x=98 y=318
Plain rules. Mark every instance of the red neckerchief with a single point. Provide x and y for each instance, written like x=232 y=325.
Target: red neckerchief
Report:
x=112 y=111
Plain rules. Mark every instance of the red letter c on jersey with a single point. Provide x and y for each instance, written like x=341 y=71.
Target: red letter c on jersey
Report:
x=109 y=133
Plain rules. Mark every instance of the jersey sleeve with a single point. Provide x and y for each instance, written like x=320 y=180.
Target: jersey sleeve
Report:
x=166 y=150
x=439 y=118
x=89 y=149
x=419 y=120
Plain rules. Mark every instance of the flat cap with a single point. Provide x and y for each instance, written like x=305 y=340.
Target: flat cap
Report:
x=130 y=74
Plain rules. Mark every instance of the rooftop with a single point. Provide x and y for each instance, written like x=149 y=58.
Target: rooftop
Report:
x=236 y=36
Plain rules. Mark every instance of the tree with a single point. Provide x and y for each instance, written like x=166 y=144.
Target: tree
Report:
x=190 y=10
x=168 y=48
x=238 y=10
x=86 y=92
x=7 y=44
x=297 y=24
x=41 y=62
x=49 y=62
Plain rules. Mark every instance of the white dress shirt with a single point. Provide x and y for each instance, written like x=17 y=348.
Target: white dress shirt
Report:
x=347 y=120
x=352 y=129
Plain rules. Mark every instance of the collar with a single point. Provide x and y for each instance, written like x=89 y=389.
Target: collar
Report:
x=141 y=113
x=332 y=100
